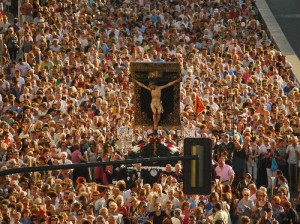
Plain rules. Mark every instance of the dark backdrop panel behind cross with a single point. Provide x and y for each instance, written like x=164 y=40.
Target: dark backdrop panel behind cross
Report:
x=170 y=97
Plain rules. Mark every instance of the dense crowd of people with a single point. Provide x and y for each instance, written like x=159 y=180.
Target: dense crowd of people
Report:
x=65 y=64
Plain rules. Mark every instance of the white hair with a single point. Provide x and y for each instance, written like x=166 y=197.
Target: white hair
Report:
x=63 y=153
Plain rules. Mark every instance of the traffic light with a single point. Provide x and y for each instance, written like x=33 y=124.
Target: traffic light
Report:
x=197 y=173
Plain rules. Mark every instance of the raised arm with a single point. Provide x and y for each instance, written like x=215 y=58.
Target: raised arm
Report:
x=141 y=84
x=170 y=83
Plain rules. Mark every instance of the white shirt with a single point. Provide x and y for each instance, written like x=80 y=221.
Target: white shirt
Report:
x=126 y=195
x=162 y=198
x=67 y=162
x=253 y=197
x=214 y=106
x=24 y=67
x=175 y=220
x=100 y=203
x=293 y=154
x=262 y=149
x=21 y=81
x=175 y=202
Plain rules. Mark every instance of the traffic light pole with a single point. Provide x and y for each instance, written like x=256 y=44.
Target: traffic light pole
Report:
x=197 y=166
x=1 y=50
x=93 y=164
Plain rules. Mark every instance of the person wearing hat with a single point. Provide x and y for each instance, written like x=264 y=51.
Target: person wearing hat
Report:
x=244 y=183
x=189 y=74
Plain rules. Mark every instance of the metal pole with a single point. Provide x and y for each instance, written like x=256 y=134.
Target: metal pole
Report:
x=233 y=114
x=93 y=164
x=19 y=13
x=1 y=49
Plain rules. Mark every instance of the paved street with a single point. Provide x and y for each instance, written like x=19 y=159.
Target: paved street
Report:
x=287 y=14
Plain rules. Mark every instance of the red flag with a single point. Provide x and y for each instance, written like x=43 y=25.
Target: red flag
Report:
x=198 y=105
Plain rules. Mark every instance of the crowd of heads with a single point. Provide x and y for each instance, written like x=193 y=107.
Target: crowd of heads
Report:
x=65 y=63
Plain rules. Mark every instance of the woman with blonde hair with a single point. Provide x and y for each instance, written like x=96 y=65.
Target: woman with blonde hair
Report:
x=186 y=211
x=245 y=205
x=104 y=212
x=277 y=208
x=134 y=203
x=261 y=204
x=52 y=210
x=179 y=195
x=121 y=206
x=63 y=217
x=142 y=194
x=153 y=198
x=38 y=126
x=199 y=213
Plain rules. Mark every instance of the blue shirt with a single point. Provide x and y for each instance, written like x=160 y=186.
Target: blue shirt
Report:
x=22 y=220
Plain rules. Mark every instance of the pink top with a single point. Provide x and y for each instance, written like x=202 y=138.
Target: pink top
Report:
x=225 y=172
x=75 y=156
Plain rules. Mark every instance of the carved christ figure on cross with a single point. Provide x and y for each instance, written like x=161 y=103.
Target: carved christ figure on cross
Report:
x=156 y=104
